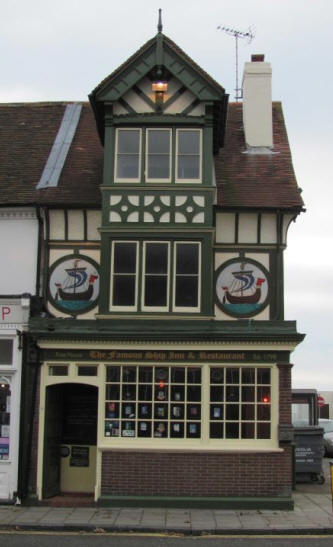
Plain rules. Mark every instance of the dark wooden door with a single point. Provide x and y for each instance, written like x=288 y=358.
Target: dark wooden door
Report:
x=52 y=441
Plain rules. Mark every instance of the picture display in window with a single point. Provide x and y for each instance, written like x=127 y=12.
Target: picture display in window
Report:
x=153 y=402
x=128 y=154
x=124 y=274
x=158 y=159
x=5 y=397
x=188 y=154
x=240 y=403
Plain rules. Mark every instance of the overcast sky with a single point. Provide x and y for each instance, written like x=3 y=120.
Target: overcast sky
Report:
x=61 y=50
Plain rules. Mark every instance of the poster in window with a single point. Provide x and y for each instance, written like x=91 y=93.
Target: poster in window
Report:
x=242 y=287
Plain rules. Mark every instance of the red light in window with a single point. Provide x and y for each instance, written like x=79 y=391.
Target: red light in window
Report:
x=265 y=399
x=162 y=384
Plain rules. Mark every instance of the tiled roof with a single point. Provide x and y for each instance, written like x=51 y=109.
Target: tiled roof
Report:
x=252 y=180
x=27 y=132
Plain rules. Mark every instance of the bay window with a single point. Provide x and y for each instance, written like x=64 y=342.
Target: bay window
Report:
x=160 y=269
x=128 y=145
x=150 y=150
x=158 y=155
x=188 y=156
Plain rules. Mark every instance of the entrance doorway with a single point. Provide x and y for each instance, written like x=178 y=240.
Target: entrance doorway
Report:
x=70 y=438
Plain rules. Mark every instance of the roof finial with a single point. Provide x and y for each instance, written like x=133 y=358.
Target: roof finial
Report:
x=159 y=26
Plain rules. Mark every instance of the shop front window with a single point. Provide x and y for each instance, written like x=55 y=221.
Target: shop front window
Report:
x=240 y=403
x=170 y=402
x=4 y=419
x=155 y=402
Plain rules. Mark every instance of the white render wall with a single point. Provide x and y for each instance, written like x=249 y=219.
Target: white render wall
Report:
x=18 y=249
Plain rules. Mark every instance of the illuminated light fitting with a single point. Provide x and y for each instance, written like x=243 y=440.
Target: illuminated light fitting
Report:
x=265 y=399
x=159 y=87
x=162 y=385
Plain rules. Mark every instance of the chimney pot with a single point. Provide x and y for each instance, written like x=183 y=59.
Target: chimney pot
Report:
x=257 y=58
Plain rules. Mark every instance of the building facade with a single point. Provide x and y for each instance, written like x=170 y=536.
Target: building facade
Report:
x=160 y=360
x=18 y=248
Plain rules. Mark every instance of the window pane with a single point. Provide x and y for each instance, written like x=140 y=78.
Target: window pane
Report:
x=189 y=142
x=124 y=258
x=128 y=141
x=216 y=375
x=127 y=166
x=188 y=167
x=159 y=141
x=263 y=431
x=194 y=375
x=6 y=352
x=123 y=290
x=232 y=430
x=187 y=258
x=158 y=167
x=232 y=376
x=156 y=258
x=155 y=291
x=264 y=376
x=248 y=375
x=186 y=292
x=247 y=431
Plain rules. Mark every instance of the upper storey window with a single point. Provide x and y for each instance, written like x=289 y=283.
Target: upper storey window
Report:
x=128 y=145
x=156 y=155
x=188 y=158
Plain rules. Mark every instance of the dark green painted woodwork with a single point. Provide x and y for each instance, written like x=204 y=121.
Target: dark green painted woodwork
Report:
x=171 y=209
x=178 y=329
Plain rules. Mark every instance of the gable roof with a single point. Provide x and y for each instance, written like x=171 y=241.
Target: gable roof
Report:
x=163 y=53
x=28 y=130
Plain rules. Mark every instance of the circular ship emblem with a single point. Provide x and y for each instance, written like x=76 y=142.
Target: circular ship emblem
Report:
x=74 y=284
x=242 y=288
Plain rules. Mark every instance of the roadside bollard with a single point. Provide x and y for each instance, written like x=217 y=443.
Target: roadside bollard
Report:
x=331 y=473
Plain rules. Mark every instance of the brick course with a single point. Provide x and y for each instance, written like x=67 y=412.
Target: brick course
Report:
x=196 y=474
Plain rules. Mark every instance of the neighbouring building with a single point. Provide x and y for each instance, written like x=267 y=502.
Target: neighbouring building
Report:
x=158 y=365
x=18 y=249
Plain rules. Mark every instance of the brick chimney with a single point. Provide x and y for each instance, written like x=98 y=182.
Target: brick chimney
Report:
x=257 y=103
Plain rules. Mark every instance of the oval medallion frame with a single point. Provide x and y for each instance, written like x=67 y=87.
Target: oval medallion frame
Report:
x=242 y=287
x=73 y=284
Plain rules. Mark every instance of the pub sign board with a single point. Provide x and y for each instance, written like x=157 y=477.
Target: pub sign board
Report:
x=166 y=356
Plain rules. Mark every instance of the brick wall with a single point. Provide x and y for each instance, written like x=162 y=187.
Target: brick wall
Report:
x=196 y=474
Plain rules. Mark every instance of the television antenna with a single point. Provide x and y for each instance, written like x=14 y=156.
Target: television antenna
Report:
x=237 y=34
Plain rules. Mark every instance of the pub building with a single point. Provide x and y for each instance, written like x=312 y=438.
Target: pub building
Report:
x=159 y=366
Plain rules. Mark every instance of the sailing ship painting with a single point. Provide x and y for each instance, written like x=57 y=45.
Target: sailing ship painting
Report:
x=74 y=284
x=242 y=288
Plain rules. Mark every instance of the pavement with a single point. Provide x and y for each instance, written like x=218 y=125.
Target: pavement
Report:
x=313 y=514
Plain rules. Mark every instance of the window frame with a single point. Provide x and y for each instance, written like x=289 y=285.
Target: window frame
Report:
x=189 y=309
x=135 y=442
x=143 y=269
x=113 y=273
x=157 y=180
x=191 y=180
x=140 y=278
x=127 y=179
